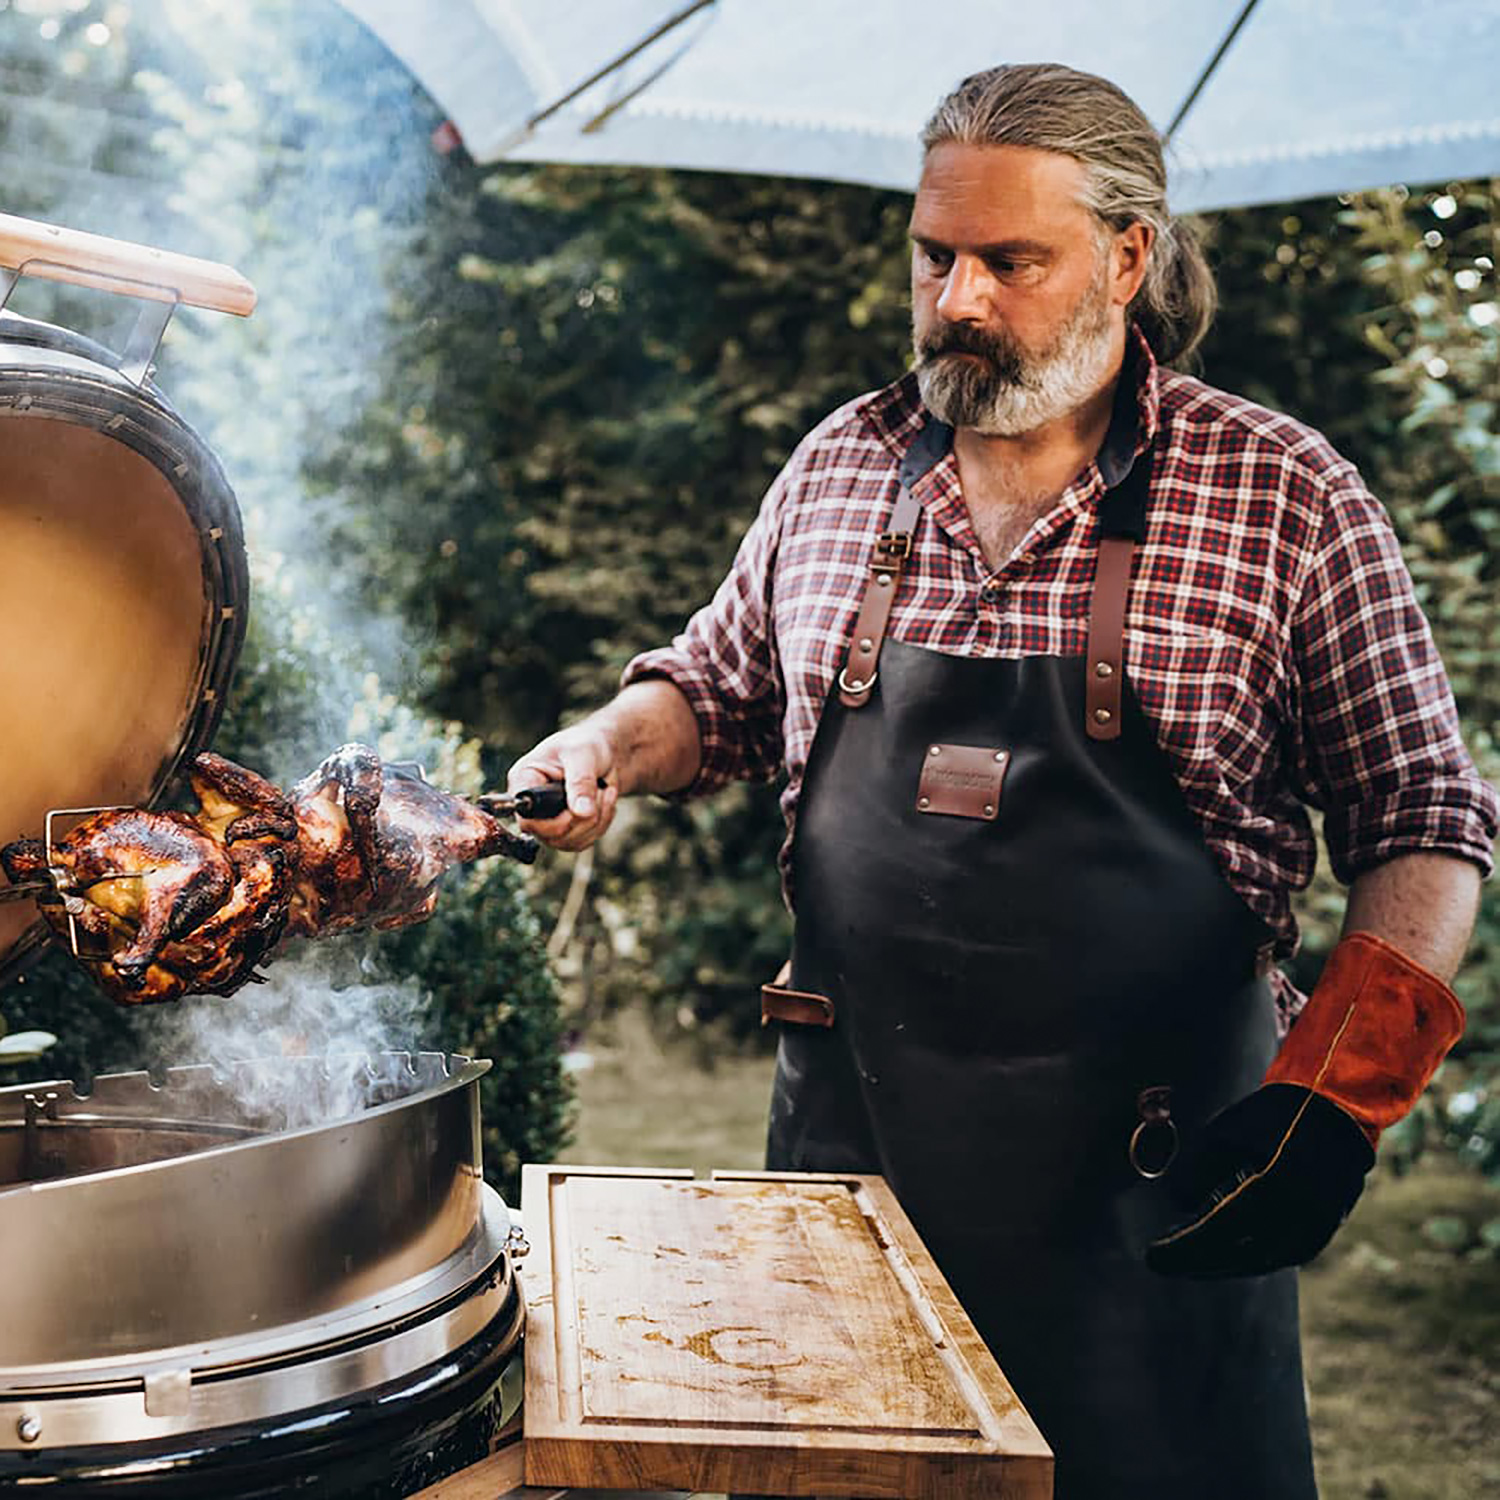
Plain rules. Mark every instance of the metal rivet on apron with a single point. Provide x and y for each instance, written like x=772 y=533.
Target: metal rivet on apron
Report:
x=883 y=580
x=935 y=750
x=924 y=803
x=989 y=811
x=867 y=644
x=1102 y=716
x=1000 y=755
x=1104 y=670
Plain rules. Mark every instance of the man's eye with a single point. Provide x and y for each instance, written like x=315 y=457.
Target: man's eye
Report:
x=936 y=260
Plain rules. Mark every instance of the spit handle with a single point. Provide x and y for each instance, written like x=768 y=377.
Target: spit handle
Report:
x=53 y=253
x=549 y=801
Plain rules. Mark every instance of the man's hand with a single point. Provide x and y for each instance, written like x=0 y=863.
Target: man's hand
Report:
x=645 y=741
x=583 y=759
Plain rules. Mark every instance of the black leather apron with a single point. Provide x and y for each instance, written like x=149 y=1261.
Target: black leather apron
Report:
x=1004 y=991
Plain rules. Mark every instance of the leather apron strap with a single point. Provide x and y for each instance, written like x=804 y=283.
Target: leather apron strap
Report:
x=887 y=559
x=1122 y=524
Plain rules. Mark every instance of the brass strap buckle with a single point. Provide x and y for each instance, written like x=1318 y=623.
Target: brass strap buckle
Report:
x=892 y=548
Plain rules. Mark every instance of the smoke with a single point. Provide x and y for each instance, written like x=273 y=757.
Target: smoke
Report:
x=281 y=139
x=312 y=1044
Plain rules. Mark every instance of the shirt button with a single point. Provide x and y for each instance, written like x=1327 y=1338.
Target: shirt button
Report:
x=993 y=589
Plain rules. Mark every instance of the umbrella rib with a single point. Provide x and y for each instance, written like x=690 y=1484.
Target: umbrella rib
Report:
x=614 y=64
x=1209 y=71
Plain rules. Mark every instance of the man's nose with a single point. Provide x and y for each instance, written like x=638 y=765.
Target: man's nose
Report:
x=967 y=291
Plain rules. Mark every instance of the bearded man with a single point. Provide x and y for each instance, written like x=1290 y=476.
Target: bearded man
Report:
x=1055 y=646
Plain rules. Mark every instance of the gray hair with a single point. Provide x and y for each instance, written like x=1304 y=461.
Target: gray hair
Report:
x=1054 y=108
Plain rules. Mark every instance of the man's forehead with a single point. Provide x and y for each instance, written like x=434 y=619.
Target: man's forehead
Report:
x=984 y=194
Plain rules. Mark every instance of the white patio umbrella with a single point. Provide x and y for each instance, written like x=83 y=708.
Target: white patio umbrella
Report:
x=1263 y=100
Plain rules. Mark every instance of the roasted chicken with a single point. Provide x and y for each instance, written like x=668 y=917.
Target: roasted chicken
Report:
x=168 y=903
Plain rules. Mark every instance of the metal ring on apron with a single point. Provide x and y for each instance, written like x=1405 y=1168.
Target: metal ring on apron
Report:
x=863 y=686
x=1155 y=1106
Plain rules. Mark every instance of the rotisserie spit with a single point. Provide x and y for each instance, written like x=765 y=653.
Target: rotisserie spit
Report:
x=161 y=904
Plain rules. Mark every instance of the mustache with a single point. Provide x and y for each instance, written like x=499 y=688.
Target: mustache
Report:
x=997 y=351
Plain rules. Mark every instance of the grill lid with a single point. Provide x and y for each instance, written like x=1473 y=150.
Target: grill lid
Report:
x=123 y=582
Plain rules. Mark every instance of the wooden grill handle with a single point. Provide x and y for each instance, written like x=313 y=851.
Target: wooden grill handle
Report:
x=53 y=253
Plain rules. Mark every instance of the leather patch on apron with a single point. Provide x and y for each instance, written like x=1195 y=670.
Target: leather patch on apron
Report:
x=962 y=781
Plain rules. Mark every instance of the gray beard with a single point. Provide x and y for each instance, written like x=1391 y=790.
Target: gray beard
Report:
x=967 y=392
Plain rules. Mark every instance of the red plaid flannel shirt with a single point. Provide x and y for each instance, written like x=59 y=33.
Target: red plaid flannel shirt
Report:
x=1272 y=637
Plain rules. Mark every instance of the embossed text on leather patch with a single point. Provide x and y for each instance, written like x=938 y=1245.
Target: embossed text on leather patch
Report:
x=962 y=781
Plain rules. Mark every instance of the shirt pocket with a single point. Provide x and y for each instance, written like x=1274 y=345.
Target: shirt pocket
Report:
x=1207 y=695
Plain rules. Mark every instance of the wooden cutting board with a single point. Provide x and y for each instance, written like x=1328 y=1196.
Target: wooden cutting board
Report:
x=764 y=1332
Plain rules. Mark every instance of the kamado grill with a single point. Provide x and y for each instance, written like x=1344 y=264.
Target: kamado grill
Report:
x=201 y=1301
x=288 y=1276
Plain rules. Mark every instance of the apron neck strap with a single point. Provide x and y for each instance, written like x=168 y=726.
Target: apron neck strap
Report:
x=1122 y=524
x=887 y=561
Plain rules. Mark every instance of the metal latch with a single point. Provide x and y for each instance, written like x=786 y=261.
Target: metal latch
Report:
x=169 y=1393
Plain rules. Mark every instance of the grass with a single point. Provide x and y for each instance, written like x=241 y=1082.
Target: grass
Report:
x=1402 y=1342
x=1401 y=1316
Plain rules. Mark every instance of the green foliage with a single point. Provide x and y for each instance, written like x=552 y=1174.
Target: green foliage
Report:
x=480 y=955
x=93 y=1036
x=593 y=376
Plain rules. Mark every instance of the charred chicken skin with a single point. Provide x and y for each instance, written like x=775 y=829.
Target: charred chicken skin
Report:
x=190 y=903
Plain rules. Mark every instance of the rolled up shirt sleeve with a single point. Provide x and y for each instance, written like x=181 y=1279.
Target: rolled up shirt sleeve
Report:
x=1381 y=748
x=724 y=663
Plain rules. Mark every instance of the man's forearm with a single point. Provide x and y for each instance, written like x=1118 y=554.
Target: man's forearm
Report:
x=1423 y=904
x=654 y=736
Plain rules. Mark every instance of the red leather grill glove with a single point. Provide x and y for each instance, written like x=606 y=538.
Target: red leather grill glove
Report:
x=1274 y=1175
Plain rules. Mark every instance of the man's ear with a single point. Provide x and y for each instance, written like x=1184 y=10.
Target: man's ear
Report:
x=1130 y=253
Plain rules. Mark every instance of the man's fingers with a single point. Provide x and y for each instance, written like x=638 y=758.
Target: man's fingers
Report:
x=582 y=764
x=575 y=833
x=535 y=770
x=585 y=765
x=583 y=793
